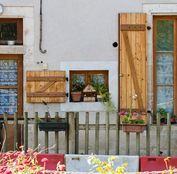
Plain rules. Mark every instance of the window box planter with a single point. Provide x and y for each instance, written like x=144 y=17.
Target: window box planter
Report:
x=137 y=128
x=53 y=125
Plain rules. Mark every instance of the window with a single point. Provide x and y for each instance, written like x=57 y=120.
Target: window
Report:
x=80 y=79
x=165 y=74
x=11 y=84
x=11 y=29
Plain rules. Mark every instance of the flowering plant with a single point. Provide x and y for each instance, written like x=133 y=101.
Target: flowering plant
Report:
x=129 y=117
x=107 y=167
x=19 y=162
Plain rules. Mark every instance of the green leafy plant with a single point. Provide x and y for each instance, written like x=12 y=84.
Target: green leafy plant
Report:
x=77 y=85
x=106 y=167
x=106 y=98
x=162 y=112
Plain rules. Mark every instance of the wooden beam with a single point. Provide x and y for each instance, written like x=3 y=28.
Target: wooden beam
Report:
x=133 y=27
x=45 y=78
x=132 y=69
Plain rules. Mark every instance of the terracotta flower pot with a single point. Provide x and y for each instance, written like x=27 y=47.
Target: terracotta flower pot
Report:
x=137 y=128
x=76 y=96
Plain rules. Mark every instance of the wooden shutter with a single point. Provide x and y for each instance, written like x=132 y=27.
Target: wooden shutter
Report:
x=46 y=86
x=132 y=62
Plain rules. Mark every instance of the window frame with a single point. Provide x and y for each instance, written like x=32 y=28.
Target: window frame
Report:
x=19 y=22
x=155 y=19
x=19 y=59
x=88 y=74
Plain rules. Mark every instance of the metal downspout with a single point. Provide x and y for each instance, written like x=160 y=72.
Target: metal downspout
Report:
x=40 y=40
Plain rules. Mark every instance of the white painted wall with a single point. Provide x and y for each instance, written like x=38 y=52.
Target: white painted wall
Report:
x=77 y=35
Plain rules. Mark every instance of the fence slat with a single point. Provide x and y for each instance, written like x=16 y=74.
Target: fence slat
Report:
x=127 y=143
x=117 y=134
x=158 y=135
x=26 y=131
x=86 y=132
x=138 y=143
x=67 y=134
x=97 y=133
x=148 y=135
x=56 y=135
x=107 y=134
x=77 y=133
x=71 y=133
x=36 y=131
x=15 y=131
x=168 y=134
x=46 y=135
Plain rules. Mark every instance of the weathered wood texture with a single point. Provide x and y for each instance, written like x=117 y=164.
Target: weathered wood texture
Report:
x=132 y=61
x=81 y=135
x=46 y=86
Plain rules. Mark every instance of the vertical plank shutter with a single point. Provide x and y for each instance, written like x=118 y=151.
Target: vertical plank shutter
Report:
x=46 y=86
x=133 y=80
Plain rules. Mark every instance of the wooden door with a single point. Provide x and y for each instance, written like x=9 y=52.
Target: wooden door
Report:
x=11 y=92
x=132 y=62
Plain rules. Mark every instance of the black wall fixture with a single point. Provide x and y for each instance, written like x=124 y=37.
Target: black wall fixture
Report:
x=115 y=44
x=40 y=39
x=148 y=27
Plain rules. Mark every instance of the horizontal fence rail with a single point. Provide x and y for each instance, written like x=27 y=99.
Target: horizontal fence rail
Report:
x=85 y=133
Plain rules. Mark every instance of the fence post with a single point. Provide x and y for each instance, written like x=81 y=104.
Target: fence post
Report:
x=117 y=133
x=56 y=134
x=71 y=133
x=97 y=133
x=127 y=143
x=26 y=131
x=86 y=132
x=46 y=135
x=67 y=134
x=158 y=135
x=36 y=131
x=77 y=133
x=5 y=142
x=107 y=134
x=15 y=131
x=169 y=134
x=148 y=135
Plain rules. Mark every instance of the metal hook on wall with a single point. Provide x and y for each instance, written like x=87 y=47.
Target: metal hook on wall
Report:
x=40 y=40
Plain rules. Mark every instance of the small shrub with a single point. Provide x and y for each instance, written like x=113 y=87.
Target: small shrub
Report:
x=107 y=167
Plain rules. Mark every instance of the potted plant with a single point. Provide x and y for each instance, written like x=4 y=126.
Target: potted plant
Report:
x=135 y=122
x=77 y=85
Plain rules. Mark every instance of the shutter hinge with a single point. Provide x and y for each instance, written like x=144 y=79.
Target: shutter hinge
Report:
x=67 y=79
x=67 y=94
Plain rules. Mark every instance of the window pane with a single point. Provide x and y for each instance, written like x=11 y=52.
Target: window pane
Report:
x=8 y=31
x=98 y=78
x=8 y=73
x=164 y=66
x=165 y=98
x=165 y=36
x=8 y=101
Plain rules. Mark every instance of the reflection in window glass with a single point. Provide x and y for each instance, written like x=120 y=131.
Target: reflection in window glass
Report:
x=165 y=35
x=8 y=31
x=165 y=98
x=98 y=78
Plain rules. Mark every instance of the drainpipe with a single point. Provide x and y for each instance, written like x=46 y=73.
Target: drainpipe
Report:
x=40 y=40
